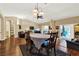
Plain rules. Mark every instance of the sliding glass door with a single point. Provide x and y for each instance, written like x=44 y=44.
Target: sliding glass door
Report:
x=67 y=31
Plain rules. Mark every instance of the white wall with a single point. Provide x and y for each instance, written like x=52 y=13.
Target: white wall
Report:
x=25 y=24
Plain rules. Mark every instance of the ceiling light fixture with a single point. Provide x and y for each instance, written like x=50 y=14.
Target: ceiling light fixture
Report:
x=37 y=12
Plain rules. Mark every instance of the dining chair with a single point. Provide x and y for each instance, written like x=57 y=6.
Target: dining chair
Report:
x=30 y=44
x=21 y=34
x=51 y=44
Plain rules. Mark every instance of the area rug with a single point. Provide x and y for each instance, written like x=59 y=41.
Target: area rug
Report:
x=26 y=53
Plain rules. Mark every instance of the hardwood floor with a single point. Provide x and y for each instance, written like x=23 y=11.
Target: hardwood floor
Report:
x=10 y=47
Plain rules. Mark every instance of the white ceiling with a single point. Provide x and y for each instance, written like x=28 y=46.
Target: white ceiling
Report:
x=53 y=11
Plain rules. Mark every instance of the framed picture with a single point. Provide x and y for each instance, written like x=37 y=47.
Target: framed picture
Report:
x=31 y=27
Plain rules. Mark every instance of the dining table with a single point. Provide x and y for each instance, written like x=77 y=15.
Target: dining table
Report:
x=39 y=38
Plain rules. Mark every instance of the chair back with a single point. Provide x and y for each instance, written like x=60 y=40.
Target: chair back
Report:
x=52 y=40
x=28 y=39
x=27 y=35
x=21 y=34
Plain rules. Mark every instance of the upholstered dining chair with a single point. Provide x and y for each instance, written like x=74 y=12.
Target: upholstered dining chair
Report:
x=31 y=48
x=51 y=44
x=21 y=34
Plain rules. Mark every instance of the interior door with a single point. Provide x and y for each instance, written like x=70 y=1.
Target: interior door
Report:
x=0 y=28
x=7 y=29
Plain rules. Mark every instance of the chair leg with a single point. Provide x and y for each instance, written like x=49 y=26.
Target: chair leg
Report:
x=50 y=51
x=54 y=51
x=47 y=52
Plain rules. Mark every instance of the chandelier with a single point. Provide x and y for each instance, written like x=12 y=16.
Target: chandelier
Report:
x=37 y=12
